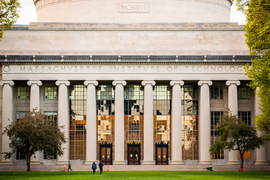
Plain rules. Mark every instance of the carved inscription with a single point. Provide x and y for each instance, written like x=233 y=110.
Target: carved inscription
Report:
x=133 y=7
x=174 y=69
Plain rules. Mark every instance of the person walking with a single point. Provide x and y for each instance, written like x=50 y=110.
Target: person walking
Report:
x=101 y=167
x=69 y=166
x=94 y=167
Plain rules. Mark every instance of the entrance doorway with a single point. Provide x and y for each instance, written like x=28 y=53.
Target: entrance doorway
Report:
x=134 y=154
x=162 y=154
x=106 y=153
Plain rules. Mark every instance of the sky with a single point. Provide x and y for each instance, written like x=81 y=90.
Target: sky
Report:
x=28 y=13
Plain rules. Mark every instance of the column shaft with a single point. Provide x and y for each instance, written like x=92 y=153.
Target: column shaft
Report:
x=7 y=116
x=176 y=143
x=119 y=122
x=233 y=106
x=148 y=123
x=261 y=158
x=63 y=118
x=204 y=123
x=91 y=123
x=34 y=104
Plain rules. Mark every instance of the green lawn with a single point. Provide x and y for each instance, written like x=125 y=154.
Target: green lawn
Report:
x=155 y=175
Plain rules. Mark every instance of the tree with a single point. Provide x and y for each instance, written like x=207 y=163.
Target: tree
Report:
x=257 y=32
x=236 y=135
x=8 y=14
x=35 y=132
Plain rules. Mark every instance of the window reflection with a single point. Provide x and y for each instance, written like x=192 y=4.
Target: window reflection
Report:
x=77 y=121
x=105 y=114
x=190 y=122
x=134 y=109
x=162 y=114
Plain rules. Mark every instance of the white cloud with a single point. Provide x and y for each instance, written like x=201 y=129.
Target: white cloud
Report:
x=28 y=13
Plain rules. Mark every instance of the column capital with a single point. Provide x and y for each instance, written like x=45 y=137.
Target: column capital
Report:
x=237 y=83
x=11 y=83
x=86 y=83
x=66 y=83
x=202 y=82
x=30 y=83
x=123 y=83
x=181 y=83
x=152 y=83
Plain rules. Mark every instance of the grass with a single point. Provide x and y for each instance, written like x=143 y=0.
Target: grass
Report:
x=135 y=175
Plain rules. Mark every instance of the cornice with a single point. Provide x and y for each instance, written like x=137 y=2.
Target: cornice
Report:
x=80 y=59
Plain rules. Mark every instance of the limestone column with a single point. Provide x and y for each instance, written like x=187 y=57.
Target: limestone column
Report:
x=233 y=106
x=261 y=158
x=176 y=130
x=7 y=116
x=63 y=118
x=91 y=122
x=148 y=123
x=204 y=123
x=34 y=104
x=119 y=132
x=34 y=94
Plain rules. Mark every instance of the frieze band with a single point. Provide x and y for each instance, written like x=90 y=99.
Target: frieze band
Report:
x=124 y=69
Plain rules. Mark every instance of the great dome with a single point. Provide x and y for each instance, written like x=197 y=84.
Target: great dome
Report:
x=133 y=11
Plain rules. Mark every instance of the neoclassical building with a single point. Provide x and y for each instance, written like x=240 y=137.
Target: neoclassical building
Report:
x=133 y=82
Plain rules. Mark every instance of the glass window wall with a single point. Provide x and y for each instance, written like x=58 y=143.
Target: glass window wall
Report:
x=162 y=96
x=77 y=119
x=216 y=120
x=190 y=122
x=134 y=108
x=105 y=115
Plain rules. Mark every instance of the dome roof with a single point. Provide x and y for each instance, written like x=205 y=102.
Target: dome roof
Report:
x=133 y=11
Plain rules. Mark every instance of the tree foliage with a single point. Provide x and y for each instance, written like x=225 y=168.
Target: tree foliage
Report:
x=8 y=14
x=236 y=135
x=257 y=32
x=35 y=132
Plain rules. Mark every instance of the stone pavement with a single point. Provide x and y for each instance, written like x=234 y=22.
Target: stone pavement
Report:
x=137 y=168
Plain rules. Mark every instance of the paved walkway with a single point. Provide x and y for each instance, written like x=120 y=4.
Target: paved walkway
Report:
x=136 y=168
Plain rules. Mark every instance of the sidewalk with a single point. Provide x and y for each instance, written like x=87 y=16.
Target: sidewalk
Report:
x=136 y=168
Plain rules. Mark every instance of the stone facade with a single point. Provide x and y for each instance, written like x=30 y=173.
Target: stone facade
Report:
x=191 y=70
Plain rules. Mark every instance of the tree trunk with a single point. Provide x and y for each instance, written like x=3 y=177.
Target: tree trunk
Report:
x=28 y=161
x=242 y=159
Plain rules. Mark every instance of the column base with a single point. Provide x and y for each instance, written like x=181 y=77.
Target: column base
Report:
x=90 y=162
x=119 y=163
x=261 y=163
x=61 y=163
x=148 y=163
x=205 y=163
x=233 y=163
x=34 y=163
x=6 y=163
x=176 y=163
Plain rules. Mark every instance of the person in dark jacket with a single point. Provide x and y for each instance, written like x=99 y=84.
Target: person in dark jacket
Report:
x=69 y=166
x=94 y=167
x=101 y=167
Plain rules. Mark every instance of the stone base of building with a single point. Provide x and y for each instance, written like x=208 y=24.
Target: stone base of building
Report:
x=34 y=163
x=176 y=163
x=61 y=163
x=148 y=163
x=119 y=162
x=233 y=163
x=261 y=163
x=205 y=163
x=6 y=163
x=90 y=162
